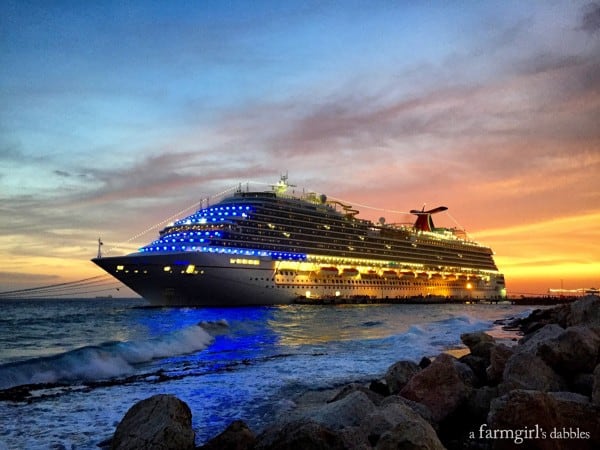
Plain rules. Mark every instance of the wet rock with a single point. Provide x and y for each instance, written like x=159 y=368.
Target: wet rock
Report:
x=527 y=371
x=499 y=354
x=442 y=387
x=301 y=434
x=574 y=351
x=161 y=422
x=398 y=375
x=237 y=436
x=353 y=387
x=565 y=414
x=479 y=343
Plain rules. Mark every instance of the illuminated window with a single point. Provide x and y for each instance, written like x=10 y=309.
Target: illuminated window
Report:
x=167 y=268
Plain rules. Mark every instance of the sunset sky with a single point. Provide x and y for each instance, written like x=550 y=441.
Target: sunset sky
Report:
x=115 y=116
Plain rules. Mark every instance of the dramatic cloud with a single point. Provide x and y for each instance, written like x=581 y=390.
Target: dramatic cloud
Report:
x=114 y=119
x=590 y=21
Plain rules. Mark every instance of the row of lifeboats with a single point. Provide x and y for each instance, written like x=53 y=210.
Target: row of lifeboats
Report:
x=331 y=271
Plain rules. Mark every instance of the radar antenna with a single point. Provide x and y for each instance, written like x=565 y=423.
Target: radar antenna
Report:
x=100 y=244
x=282 y=186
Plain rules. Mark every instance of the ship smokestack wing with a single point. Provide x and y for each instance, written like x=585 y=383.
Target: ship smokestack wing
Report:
x=424 y=222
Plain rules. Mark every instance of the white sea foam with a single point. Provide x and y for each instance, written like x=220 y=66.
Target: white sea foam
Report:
x=113 y=359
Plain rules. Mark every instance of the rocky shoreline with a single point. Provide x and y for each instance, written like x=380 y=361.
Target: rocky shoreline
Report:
x=542 y=393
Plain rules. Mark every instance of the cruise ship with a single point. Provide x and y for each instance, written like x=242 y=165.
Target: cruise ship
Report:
x=276 y=246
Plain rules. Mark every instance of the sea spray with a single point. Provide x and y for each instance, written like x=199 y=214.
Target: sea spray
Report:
x=109 y=360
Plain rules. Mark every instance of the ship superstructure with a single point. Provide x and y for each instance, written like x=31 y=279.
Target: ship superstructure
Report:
x=275 y=247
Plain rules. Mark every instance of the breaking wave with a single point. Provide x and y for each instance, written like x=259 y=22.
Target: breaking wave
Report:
x=105 y=361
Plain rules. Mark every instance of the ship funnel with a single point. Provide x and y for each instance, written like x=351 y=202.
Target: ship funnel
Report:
x=424 y=222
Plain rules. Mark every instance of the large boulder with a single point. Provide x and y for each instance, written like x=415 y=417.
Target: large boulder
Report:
x=237 y=436
x=161 y=422
x=585 y=312
x=541 y=317
x=300 y=434
x=386 y=418
x=417 y=407
x=353 y=387
x=560 y=420
x=398 y=426
x=345 y=412
x=442 y=387
x=479 y=343
x=398 y=375
x=499 y=355
x=574 y=351
x=530 y=342
x=528 y=371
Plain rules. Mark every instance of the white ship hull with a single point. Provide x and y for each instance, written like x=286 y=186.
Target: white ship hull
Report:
x=215 y=279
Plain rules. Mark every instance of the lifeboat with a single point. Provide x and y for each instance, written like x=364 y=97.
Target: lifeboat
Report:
x=369 y=275
x=451 y=277
x=350 y=272
x=410 y=275
x=423 y=275
x=328 y=271
x=390 y=274
x=462 y=277
x=436 y=276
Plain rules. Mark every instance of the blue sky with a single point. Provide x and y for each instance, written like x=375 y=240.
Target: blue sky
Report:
x=115 y=115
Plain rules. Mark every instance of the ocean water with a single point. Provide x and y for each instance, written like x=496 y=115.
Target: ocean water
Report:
x=86 y=362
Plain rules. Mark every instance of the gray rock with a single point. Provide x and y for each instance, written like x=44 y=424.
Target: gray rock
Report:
x=353 y=387
x=302 y=434
x=585 y=312
x=530 y=342
x=442 y=387
x=398 y=375
x=527 y=371
x=161 y=422
x=409 y=430
x=479 y=343
x=417 y=407
x=573 y=351
x=346 y=412
x=237 y=436
x=499 y=354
